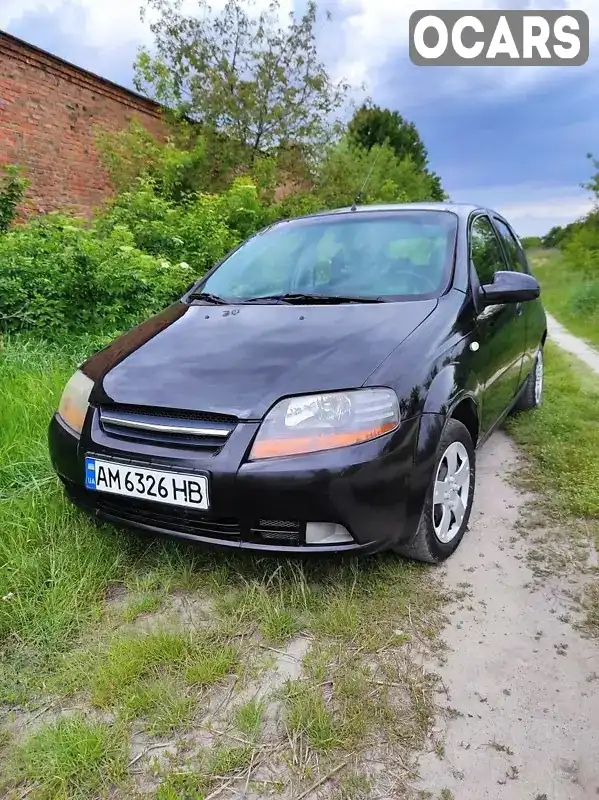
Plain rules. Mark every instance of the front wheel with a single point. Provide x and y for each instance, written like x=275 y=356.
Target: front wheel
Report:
x=532 y=394
x=449 y=498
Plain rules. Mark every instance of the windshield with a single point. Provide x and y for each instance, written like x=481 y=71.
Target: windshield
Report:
x=368 y=255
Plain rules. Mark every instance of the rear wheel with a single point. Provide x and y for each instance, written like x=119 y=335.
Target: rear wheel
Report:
x=532 y=394
x=449 y=498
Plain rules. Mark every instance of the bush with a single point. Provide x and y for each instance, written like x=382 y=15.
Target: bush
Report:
x=581 y=252
x=59 y=277
x=585 y=298
x=377 y=175
x=12 y=191
x=531 y=242
x=195 y=231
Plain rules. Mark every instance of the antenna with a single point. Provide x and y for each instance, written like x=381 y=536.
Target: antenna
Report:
x=361 y=192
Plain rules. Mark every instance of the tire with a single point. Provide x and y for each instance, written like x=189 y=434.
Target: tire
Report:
x=427 y=544
x=532 y=394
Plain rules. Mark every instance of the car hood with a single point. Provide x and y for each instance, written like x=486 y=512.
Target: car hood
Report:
x=240 y=360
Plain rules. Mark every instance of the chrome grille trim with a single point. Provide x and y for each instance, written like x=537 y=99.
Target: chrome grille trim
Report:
x=182 y=426
x=166 y=428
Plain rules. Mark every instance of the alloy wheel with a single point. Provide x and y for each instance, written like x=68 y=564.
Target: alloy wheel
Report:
x=451 y=491
x=539 y=378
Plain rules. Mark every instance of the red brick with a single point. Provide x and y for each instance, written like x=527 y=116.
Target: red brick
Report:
x=50 y=113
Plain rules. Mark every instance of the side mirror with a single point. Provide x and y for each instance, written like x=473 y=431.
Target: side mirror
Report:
x=510 y=287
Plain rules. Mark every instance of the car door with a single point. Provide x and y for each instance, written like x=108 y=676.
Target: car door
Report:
x=500 y=328
x=517 y=262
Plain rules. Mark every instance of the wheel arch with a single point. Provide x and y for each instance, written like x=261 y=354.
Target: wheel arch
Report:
x=466 y=412
x=445 y=398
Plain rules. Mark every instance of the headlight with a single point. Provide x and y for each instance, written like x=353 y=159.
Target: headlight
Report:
x=73 y=403
x=324 y=421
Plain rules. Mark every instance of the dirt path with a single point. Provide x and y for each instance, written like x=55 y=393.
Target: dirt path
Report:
x=522 y=683
x=572 y=344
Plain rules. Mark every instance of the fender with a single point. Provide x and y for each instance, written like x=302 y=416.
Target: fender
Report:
x=442 y=398
x=445 y=394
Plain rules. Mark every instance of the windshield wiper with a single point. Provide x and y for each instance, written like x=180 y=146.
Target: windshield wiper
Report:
x=207 y=297
x=324 y=299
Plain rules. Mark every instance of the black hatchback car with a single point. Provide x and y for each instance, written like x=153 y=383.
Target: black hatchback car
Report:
x=322 y=389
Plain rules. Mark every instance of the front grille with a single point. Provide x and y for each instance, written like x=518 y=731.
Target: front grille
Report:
x=195 y=429
x=188 y=521
x=165 y=412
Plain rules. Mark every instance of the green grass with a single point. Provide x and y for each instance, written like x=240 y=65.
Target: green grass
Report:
x=210 y=666
x=222 y=762
x=307 y=716
x=559 y=287
x=248 y=717
x=562 y=437
x=150 y=662
x=131 y=659
x=71 y=759
x=562 y=440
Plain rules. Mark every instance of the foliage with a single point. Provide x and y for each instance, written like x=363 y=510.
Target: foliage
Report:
x=559 y=235
x=58 y=277
x=176 y=167
x=194 y=232
x=581 y=250
x=246 y=76
x=376 y=176
x=573 y=279
x=372 y=125
x=531 y=242
x=593 y=183
x=12 y=191
x=585 y=298
x=191 y=159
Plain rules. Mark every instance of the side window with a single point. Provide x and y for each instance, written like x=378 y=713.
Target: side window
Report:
x=515 y=254
x=485 y=250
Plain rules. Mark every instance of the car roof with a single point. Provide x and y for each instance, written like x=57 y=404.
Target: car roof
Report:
x=462 y=210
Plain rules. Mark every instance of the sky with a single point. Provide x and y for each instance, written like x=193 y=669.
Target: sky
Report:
x=512 y=138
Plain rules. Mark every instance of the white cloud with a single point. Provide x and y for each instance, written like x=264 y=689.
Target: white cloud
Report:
x=371 y=33
x=376 y=32
x=532 y=208
x=107 y=23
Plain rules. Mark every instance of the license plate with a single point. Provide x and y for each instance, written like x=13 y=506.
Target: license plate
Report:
x=174 y=488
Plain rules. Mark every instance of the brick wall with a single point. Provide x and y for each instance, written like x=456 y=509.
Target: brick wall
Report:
x=49 y=113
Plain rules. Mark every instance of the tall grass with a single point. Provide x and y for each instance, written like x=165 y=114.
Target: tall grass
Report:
x=54 y=563
x=568 y=294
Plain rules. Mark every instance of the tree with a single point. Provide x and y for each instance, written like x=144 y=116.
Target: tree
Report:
x=531 y=242
x=372 y=125
x=593 y=184
x=244 y=75
x=349 y=171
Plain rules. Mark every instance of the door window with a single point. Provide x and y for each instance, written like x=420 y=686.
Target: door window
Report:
x=515 y=255
x=485 y=250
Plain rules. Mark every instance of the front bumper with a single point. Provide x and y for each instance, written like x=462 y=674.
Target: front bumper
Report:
x=261 y=505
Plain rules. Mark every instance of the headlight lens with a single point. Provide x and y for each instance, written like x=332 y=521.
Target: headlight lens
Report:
x=316 y=422
x=74 y=401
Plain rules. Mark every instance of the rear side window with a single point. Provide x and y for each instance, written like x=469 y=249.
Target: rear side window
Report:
x=515 y=254
x=485 y=250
